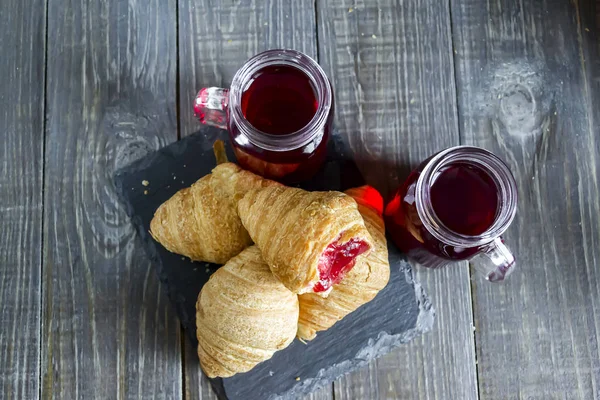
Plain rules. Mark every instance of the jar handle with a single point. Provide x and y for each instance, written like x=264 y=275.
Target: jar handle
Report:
x=211 y=105
x=496 y=262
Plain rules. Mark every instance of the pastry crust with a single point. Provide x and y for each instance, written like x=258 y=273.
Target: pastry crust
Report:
x=293 y=227
x=243 y=316
x=201 y=222
x=370 y=274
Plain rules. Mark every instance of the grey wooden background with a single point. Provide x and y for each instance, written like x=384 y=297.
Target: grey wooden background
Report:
x=87 y=86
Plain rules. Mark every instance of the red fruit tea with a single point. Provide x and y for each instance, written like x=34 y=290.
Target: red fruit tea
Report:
x=465 y=200
x=280 y=100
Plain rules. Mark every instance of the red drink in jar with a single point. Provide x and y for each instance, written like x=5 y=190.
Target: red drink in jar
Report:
x=278 y=112
x=454 y=207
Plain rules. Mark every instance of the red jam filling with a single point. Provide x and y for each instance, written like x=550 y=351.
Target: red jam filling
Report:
x=336 y=261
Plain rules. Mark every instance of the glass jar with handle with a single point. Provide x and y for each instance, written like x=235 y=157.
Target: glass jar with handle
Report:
x=278 y=111
x=455 y=206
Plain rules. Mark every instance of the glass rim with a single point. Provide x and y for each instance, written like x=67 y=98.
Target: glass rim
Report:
x=492 y=165
x=305 y=64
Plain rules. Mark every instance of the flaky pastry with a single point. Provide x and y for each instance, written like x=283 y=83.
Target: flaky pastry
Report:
x=309 y=239
x=243 y=316
x=361 y=284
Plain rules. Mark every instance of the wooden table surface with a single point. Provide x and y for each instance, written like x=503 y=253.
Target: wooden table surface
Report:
x=87 y=86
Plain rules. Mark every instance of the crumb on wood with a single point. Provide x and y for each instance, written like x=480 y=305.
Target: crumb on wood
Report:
x=145 y=182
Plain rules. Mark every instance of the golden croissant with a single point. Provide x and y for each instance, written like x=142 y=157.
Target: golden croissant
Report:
x=370 y=274
x=201 y=222
x=243 y=316
x=308 y=239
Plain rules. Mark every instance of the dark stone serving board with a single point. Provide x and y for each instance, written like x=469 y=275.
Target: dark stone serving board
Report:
x=399 y=312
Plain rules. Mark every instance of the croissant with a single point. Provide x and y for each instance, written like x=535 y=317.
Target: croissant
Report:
x=370 y=274
x=308 y=239
x=201 y=222
x=243 y=316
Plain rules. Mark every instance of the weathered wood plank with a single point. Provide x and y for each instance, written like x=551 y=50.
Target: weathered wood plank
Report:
x=109 y=331
x=22 y=40
x=392 y=71
x=215 y=38
x=527 y=93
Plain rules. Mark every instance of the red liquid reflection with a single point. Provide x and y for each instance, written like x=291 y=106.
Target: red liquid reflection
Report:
x=464 y=198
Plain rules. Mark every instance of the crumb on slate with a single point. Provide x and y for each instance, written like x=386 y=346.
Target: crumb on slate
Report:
x=350 y=9
x=297 y=378
x=145 y=192
x=145 y=182
x=374 y=36
x=271 y=373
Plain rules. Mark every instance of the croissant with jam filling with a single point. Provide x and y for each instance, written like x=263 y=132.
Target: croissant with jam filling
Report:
x=201 y=222
x=308 y=239
x=243 y=316
x=361 y=284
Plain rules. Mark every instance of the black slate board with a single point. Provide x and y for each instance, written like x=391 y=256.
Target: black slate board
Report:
x=398 y=313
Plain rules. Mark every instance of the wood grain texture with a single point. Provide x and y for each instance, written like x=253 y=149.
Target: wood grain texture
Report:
x=391 y=67
x=215 y=39
x=109 y=331
x=22 y=45
x=528 y=90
